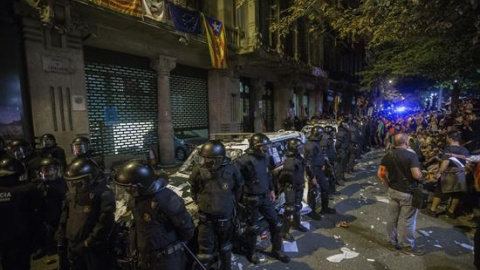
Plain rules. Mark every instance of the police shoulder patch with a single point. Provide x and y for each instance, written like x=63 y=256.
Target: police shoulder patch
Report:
x=225 y=186
x=147 y=217
x=87 y=209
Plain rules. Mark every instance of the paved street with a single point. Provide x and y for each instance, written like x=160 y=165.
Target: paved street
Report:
x=359 y=205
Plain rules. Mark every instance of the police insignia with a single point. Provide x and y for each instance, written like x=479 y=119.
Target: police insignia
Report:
x=224 y=186
x=147 y=217
x=87 y=209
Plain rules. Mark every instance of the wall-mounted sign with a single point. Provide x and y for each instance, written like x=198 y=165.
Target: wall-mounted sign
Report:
x=57 y=64
x=78 y=103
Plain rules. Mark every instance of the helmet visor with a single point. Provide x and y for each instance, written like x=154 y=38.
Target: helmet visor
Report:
x=210 y=163
x=131 y=189
x=50 y=173
x=77 y=185
x=264 y=149
x=47 y=142
x=19 y=153
x=79 y=149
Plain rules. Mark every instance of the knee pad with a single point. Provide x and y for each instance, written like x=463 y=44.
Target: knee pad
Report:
x=205 y=258
x=226 y=248
x=313 y=192
x=298 y=207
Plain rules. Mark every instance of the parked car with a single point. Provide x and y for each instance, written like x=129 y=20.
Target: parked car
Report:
x=185 y=141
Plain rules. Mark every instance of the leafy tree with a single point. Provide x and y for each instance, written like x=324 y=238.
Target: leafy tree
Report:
x=436 y=39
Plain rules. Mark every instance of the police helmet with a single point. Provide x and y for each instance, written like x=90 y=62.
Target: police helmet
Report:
x=139 y=178
x=48 y=140
x=81 y=173
x=18 y=148
x=80 y=146
x=11 y=166
x=295 y=147
x=316 y=133
x=260 y=144
x=50 y=169
x=212 y=155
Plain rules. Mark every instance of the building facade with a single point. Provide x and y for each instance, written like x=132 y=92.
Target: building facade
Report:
x=129 y=81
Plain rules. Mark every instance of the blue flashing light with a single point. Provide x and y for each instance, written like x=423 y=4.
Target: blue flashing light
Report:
x=400 y=109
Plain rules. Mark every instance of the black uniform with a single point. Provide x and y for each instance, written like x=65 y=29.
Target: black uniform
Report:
x=55 y=152
x=86 y=223
x=342 y=146
x=355 y=147
x=292 y=180
x=53 y=200
x=328 y=146
x=315 y=162
x=19 y=220
x=258 y=185
x=216 y=194
x=161 y=225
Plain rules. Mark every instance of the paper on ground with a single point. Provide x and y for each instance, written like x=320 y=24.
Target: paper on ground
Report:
x=347 y=254
x=306 y=224
x=469 y=247
x=370 y=260
x=290 y=246
x=438 y=246
x=382 y=199
x=424 y=232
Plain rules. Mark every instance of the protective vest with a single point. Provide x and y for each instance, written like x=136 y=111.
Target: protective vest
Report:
x=256 y=173
x=343 y=140
x=18 y=212
x=160 y=221
x=90 y=214
x=293 y=171
x=216 y=193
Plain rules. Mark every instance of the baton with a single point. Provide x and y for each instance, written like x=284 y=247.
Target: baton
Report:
x=194 y=257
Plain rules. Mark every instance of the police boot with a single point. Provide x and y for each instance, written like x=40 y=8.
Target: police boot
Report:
x=325 y=208
x=226 y=256
x=286 y=228
x=277 y=252
x=340 y=182
x=312 y=202
x=298 y=223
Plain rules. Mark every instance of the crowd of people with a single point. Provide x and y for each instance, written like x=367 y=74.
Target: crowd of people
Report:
x=55 y=207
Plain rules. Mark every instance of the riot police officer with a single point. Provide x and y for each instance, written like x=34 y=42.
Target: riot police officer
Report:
x=258 y=196
x=328 y=147
x=18 y=214
x=50 y=149
x=355 y=147
x=53 y=189
x=216 y=187
x=292 y=181
x=81 y=148
x=315 y=166
x=161 y=222
x=21 y=150
x=88 y=216
x=342 y=146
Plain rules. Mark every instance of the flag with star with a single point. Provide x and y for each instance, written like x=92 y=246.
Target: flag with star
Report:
x=215 y=32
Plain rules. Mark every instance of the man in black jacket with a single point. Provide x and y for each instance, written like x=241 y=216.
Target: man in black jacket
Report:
x=88 y=216
x=18 y=214
x=342 y=146
x=259 y=195
x=292 y=180
x=161 y=222
x=216 y=188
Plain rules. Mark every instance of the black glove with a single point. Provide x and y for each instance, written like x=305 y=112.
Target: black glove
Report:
x=79 y=249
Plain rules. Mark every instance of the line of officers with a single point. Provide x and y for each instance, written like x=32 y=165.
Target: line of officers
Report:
x=47 y=210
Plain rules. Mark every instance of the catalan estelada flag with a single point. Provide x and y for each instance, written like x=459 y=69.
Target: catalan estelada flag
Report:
x=215 y=32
